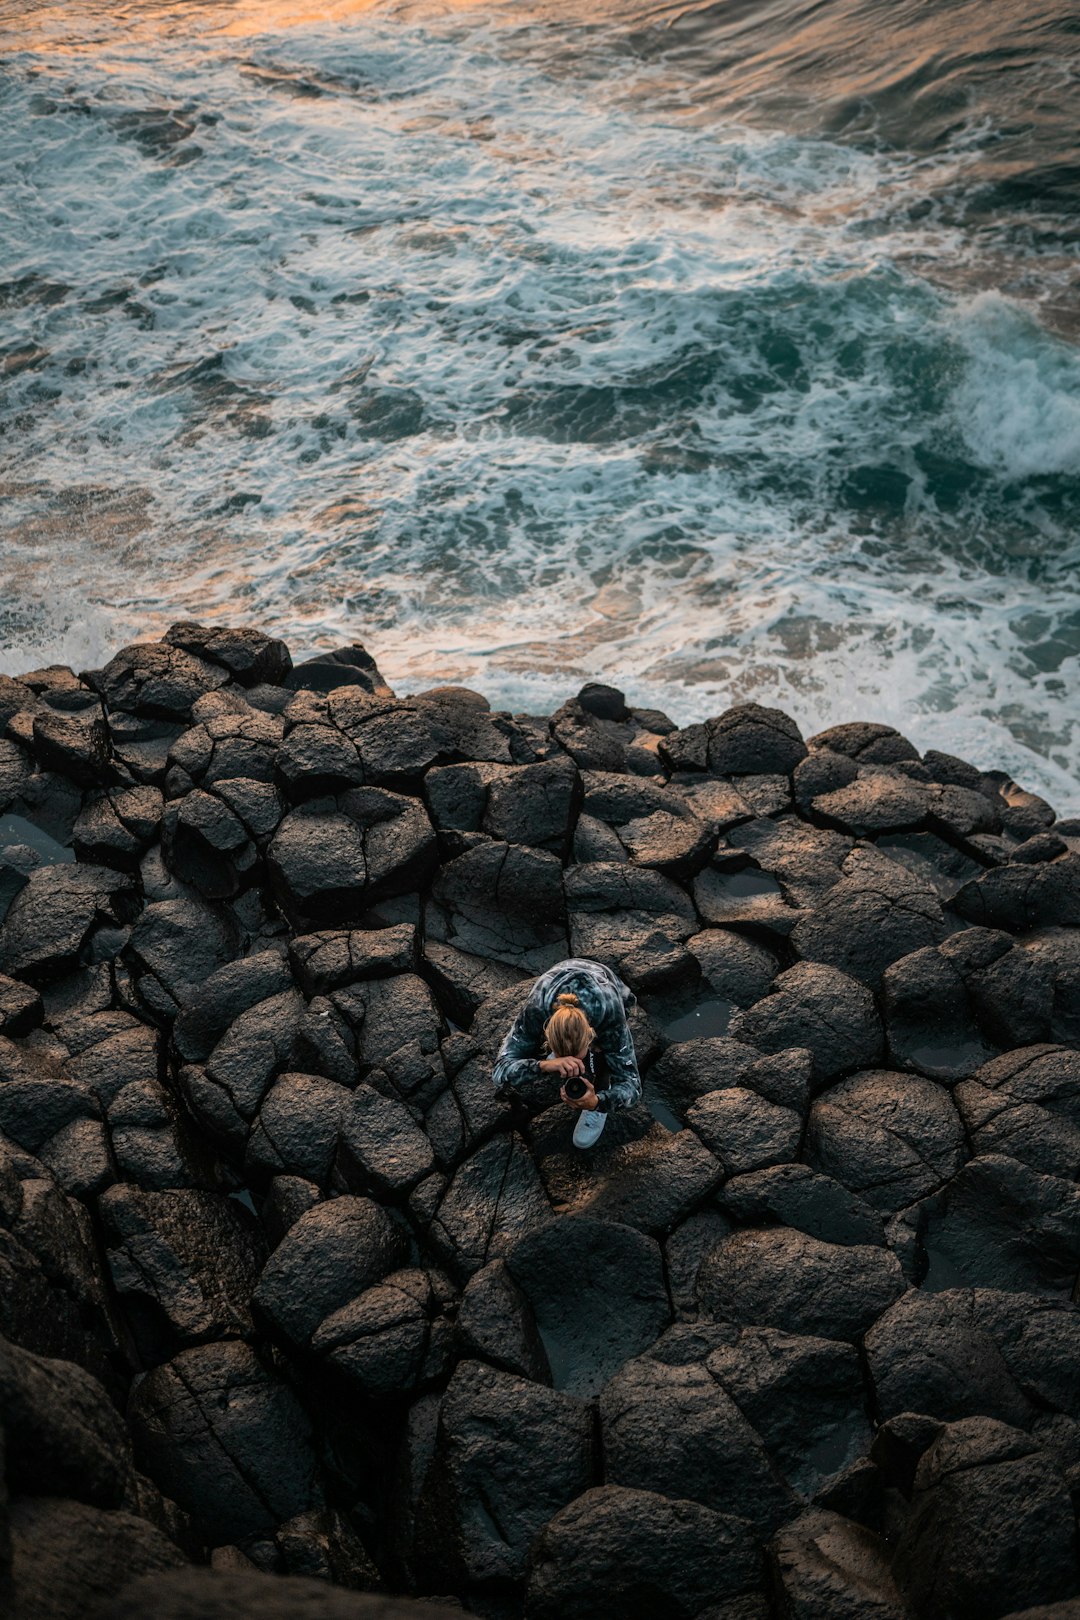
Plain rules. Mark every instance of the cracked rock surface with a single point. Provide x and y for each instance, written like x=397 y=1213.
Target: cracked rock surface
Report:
x=299 y=1318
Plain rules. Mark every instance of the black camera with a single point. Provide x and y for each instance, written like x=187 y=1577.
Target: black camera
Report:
x=575 y=1087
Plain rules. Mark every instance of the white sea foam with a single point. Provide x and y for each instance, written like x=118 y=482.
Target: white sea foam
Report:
x=523 y=380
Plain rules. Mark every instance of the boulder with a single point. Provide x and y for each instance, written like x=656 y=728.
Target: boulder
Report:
x=991 y=1526
x=234 y=1594
x=490 y=1489
x=824 y=1567
x=249 y=656
x=795 y=1195
x=53 y=917
x=817 y=1007
x=1026 y=1104
x=327 y=960
x=1000 y=1224
x=876 y=913
x=225 y=1440
x=156 y=680
x=330 y=1255
x=776 y=1277
x=297 y=1128
x=1019 y=896
x=803 y=1395
x=588 y=1334
x=496 y=1323
x=736 y=969
x=494 y=1198
x=880 y=800
x=631 y=1552
x=382 y=1340
x=675 y=1430
x=184 y=1263
x=68 y=1560
x=744 y=1131
x=890 y=1138
x=930 y=1353
x=332 y=857
x=62 y=1434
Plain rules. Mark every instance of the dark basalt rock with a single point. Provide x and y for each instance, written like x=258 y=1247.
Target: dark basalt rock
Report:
x=249 y=656
x=823 y=1567
x=890 y=1138
x=817 y=1007
x=225 y=1440
x=265 y=929
x=489 y=1491
x=674 y=1427
x=647 y=1554
x=991 y=1524
x=331 y=858
x=775 y=1277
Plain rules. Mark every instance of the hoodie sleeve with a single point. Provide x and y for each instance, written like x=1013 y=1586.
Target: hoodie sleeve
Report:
x=520 y=1051
x=617 y=1044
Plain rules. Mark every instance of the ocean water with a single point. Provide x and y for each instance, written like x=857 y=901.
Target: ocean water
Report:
x=720 y=351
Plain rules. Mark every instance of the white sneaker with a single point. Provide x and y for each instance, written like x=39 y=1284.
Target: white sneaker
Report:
x=590 y=1123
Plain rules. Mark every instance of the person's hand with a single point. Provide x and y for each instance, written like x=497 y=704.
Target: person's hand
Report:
x=565 y=1067
x=588 y=1100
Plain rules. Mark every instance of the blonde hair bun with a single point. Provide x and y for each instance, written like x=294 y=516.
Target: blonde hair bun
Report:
x=567 y=999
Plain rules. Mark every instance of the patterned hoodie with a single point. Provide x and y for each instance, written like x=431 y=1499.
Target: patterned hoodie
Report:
x=604 y=1000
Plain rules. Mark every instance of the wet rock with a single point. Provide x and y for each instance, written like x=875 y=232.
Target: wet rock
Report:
x=817 y=1007
x=588 y=1337
x=496 y=1324
x=330 y=1255
x=991 y=1525
x=249 y=656
x=743 y=898
x=806 y=861
x=876 y=913
x=52 y=919
x=489 y=1490
x=999 y=1224
x=68 y=1560
x=795 y=1195
x=225 y=1440
x=736 y=969
x=744 y=1131
x=776 y=1277
x=803 y=1395
x=647 y=1554
x=1026 y=1105
x=823 y=1567
x=890 y=1138
x=675 y=1430
x=330 y=858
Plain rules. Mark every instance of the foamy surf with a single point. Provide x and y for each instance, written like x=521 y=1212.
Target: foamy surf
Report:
x=526 y=373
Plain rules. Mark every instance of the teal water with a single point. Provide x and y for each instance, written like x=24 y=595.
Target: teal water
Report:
x=722 y=352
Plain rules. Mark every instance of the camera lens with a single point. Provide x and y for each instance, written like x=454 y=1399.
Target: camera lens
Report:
x=575 y=1087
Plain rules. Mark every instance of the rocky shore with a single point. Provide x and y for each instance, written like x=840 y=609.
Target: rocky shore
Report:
x=297 y=1315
